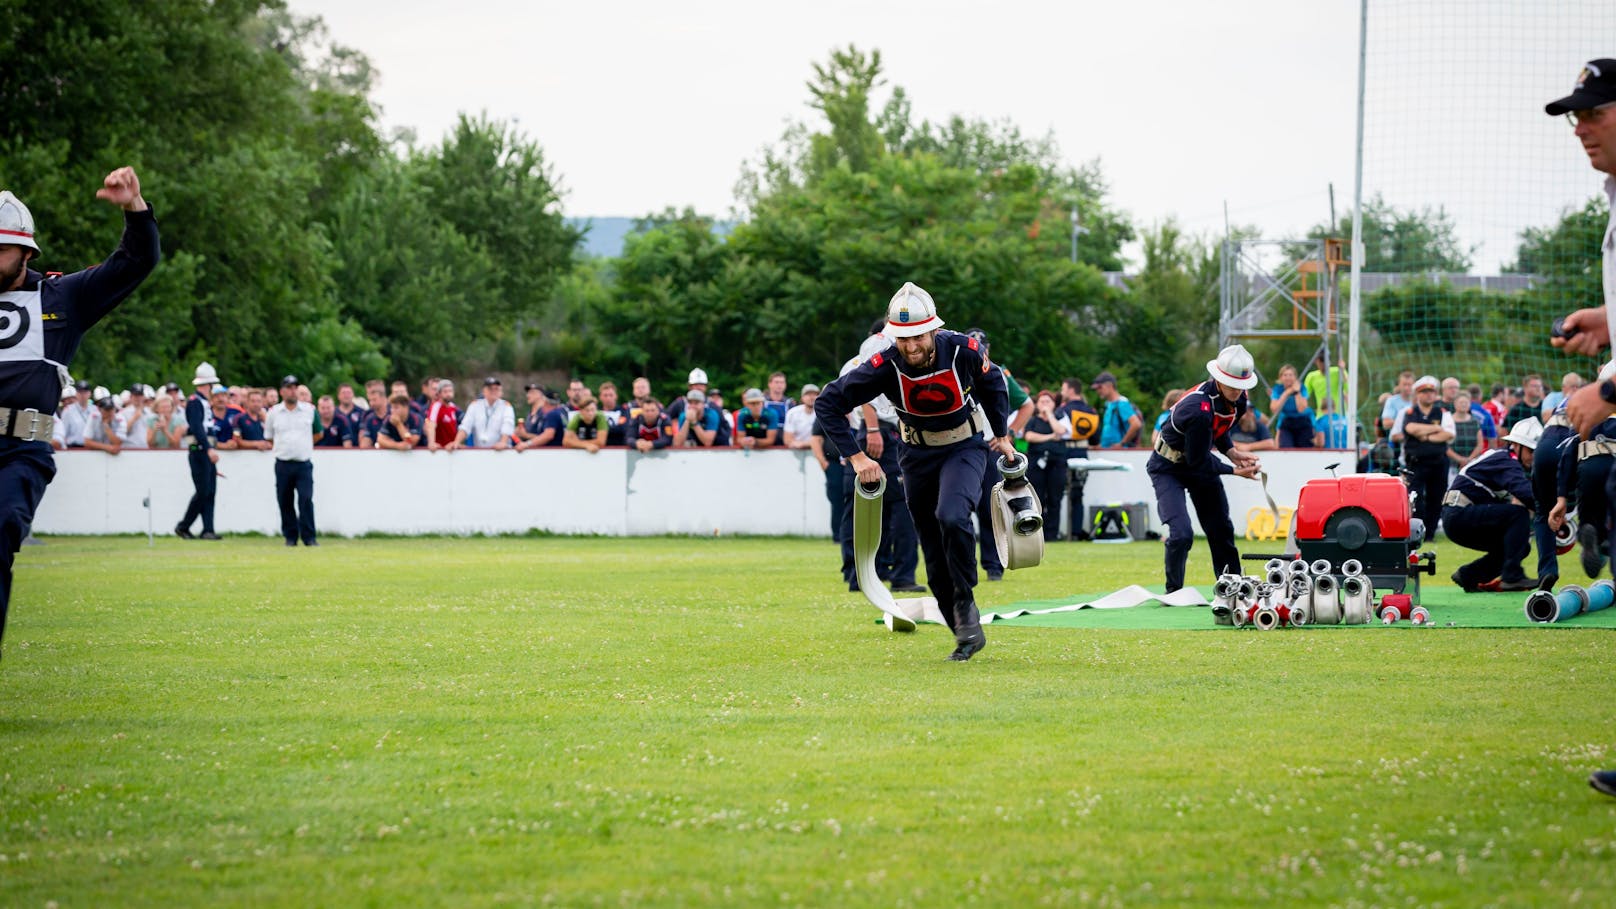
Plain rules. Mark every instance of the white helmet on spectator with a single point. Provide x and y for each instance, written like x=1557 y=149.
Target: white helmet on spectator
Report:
x=16 y=222
x=1526 y=432
x=698 y=376
x=1233 y=367
x=205 y=374
x=911 y=312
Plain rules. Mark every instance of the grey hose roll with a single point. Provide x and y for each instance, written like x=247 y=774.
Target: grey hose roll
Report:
x=1296 y=567
x=1274 y=565
x=1320 y=566
x=1351 y=567
x=1276 y=578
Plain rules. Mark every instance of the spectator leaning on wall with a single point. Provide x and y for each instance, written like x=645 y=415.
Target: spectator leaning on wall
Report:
x=401 y=431
x=651 y=430
x=798 y=425
x=587 y=427
x=1119 y=428
x=756 y=426
x=335 y=430
x=775 y=397
x=489 y=421
x=442 y=422
x=697 y=423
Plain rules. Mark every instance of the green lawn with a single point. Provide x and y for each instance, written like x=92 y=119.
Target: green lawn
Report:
x=699 y=722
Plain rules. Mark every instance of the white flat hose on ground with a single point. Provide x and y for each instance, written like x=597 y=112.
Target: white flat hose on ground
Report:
x=866 y=542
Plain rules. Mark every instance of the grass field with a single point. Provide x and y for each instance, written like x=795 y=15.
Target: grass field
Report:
x=717 y=722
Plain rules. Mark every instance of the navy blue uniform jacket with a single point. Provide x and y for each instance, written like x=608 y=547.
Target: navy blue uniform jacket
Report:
x=1494 y=477
x=1200 y=420
x=929 y=398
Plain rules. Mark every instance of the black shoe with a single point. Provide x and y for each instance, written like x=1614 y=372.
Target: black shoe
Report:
x=292 y=543
x=1467 y=588
x=969 y=648
x=1604 y=781
x=184 y=533
x=910 y=587
x=1547 y=582
x=208 y=535
x=1081 y=536
x=312 y=543
x=1522 y=584
x=1593 y=559
x=995 y=575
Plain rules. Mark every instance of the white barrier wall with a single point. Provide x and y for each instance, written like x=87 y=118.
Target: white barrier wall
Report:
x=615 y=492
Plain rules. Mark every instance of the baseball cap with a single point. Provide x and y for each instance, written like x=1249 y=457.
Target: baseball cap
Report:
x=172 y=386
x=696 y=395
x=752 y=394
x=1595 y=85
x=809 y=387
x=82 y=385
x=221 y=389
x=698 y=376
x=105 y=401
x=289 y=381
x=1103 y=378
x=491 y=380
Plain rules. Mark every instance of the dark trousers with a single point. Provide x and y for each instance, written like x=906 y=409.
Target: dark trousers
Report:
x=1545 y=485
x=943 y=487
x=1430 y=480
x=1592 y=506
x=836 y=497
x=25 y=469
x=206 y=482
x=1047 y=474
x=1296 y=433
x=898 y=556
x=1211 y=506
x=1076 y=484
x=984 y=516
x=295 y=477
x=1500 y=531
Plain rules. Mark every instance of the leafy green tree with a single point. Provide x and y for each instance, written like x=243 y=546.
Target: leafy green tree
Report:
x=1566 y=257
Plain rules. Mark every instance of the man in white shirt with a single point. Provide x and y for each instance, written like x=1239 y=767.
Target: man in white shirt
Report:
x=799 y=421
x=134 y=418
x=289 y=425
x=489 y=422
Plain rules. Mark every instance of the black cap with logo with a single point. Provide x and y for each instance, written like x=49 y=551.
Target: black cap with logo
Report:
x=290 y=382
x=1596 y=85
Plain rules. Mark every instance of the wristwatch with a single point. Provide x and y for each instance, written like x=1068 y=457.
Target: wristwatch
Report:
x=1607 y=391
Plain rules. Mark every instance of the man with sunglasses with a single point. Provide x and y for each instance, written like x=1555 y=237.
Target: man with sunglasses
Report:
x=1591 y=108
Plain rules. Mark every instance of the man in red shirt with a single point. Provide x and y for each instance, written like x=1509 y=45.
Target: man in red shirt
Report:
x=442 y=425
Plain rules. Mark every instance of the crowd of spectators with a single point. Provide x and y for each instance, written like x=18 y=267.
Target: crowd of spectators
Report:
x=389 y=417
x=1302 y=411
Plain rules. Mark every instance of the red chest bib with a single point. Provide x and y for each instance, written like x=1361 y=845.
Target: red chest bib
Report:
x=931 y=395
x=1221 y=423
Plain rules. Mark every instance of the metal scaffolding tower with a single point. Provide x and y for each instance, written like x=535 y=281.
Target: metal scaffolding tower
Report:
x=1282 y=289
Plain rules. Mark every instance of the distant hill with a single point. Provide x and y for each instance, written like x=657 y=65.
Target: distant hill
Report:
x=606 y=235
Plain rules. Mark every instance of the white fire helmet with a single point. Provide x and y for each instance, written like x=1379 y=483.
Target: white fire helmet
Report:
x=16 y=222
x=1526 y=432
x=1233 y=367
x=911 y=312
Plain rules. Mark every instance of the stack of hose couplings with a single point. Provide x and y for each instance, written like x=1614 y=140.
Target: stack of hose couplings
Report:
x=1298 y=593
x=1569 y=602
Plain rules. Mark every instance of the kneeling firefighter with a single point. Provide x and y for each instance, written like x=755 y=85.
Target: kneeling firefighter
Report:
x=1183 y=464
x=1489 y=508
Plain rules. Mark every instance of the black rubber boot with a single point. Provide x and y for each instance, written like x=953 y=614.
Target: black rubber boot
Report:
x=968 y=634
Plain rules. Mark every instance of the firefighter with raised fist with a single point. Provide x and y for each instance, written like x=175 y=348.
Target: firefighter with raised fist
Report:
x=43 y=317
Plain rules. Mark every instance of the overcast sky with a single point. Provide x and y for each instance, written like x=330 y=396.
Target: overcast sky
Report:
x=1187 y=104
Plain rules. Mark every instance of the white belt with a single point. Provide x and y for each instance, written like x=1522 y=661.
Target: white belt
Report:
x=1457 y=500
x=1595 y=447
x=1558 y=419
x=1167 y=451
x=922 y=438
x=26 y=424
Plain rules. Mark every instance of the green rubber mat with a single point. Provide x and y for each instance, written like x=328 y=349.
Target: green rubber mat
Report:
x=1449 y=606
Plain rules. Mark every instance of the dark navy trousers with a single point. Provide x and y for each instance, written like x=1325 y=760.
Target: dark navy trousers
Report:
x=295 y=478
x=1172 y=484
x=1545 y=477
x=1500 y=531
x=942 y=486
x=205 y=479
x=25 y=470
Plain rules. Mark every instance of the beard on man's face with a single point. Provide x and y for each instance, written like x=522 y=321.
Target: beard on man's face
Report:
x=12 y=276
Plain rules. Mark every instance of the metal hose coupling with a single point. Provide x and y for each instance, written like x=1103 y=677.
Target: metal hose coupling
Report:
x=1320 y=566
x=1351 y=567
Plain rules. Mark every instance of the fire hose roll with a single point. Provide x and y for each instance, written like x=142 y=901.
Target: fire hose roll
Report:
x=1274 y=565
x=1296 y=568
x=1320 y=566
x=1325 y=605
x=1266 y=618
x=1357 y=601
x=1277 y=578
x=1018 y=521
x=1351 y=567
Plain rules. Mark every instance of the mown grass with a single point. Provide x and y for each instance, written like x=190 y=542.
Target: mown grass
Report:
x=711 y=722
